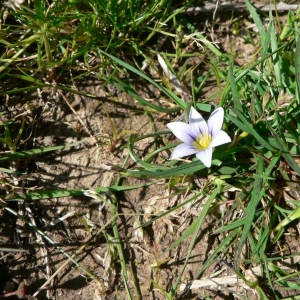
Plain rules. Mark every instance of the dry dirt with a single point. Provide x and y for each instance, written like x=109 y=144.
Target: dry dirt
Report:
x=50 y=122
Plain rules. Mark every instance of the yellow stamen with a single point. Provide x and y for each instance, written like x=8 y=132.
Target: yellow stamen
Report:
x=202 y=142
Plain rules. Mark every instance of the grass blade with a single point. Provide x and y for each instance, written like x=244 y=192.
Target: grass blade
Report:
x=250 y=211
x=194 y=228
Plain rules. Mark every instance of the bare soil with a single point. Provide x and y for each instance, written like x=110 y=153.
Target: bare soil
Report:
x=49 y=122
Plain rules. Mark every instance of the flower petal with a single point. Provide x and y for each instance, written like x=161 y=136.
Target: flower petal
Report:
x=182 y=131
x=205 y=156
x=215 y=121
x=183 y=150
x=197 y=123
x=220 y=138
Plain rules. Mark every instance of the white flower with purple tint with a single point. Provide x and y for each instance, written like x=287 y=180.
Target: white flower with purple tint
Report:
x=198 y=136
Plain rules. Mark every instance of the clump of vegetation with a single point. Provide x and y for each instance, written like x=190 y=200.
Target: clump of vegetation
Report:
x=251 y=183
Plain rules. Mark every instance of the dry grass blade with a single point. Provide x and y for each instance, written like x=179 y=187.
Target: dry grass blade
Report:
x=281 y=6
x=234 y=281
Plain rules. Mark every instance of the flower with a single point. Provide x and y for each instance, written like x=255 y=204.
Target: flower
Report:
x=198 y=136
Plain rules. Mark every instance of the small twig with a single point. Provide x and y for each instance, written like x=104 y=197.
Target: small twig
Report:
x=281 y=6
x=40 y=241
x=216 y=9
x=176 y=84
x=78 y=117
x=234 y=280
x=20 y=292
x=60 y=219
x=77 y=252
x=214 y=17
x=6 y=249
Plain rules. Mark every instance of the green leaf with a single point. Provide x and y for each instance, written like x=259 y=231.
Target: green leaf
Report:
x=181 y=103
x=244 y=125
x=235 y=95
x=189 y=168
x=297 y=67
x=50 y=194
x=37 y=151
x=277 y=61
x=282 y=144
x=223 y=248
x=258 y=23
x=251 y=208
x=231 y=226
x=194 y=228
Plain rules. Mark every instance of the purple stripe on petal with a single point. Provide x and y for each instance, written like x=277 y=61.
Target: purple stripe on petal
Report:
x=182 y=131
x=183 y=150
x=197 y=123
x=205 y=156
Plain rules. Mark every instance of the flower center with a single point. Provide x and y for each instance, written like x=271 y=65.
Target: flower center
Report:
x=202 y=142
